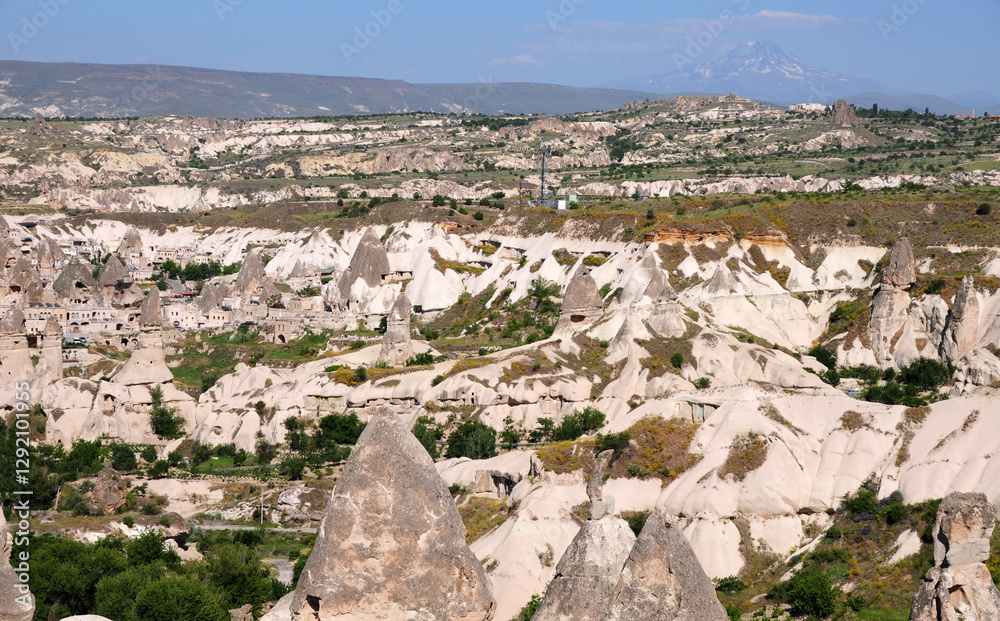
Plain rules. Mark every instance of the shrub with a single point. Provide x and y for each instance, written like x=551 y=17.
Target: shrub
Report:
x=730 y=586
x=529 y=609
x=478 y=216
x=984 y=209
x=472 y=439
x=825 y=356
x=809 y=592
x=148 y=454
x=636 y=520
x=677 y=360
x=420 y=360
x=437 y=380
x=703 y=383
x=612 y=442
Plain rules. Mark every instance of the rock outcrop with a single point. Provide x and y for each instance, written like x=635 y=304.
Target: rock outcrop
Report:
x=131 y=242
x=591 y=567
x=901 y=267
x=891 y=303
x=582 y=301
x=148 y=363
x=15 y=357
x=663 y=579
x=397 y=346
x=109 y=491
x=18 y=602
x=76 y=283
x=392 y=544
x=370 y=263
x=959 y=585
x=843 y=114
x=962 y=333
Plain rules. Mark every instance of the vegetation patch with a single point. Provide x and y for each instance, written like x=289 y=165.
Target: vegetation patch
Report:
x=657 y=448
x=482 y=516
x=746 y=454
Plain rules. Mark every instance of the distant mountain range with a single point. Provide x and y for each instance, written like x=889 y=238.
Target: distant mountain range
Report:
x=90 y=90
x=762 y=71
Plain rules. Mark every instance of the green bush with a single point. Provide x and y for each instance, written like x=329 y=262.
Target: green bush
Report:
x=703 y=383
x=730 y=586
x=810 y=593
x=636 y=520
x=123 y=458
x=176 y=598
x=677 y=360
x=420 y=360
x=529 y=609
x=825 y=356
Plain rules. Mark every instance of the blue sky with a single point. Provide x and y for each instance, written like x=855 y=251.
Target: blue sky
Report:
x=928 y=46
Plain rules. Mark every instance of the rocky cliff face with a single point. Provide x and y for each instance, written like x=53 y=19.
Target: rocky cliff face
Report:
x=392 y=544
x=959 y=586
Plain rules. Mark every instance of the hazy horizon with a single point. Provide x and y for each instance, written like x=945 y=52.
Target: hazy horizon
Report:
x=911 y=45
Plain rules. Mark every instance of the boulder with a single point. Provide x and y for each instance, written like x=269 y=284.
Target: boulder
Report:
x=109 y=491
x=663 y=579
x=962 y=333
x=392 y=544
x=242 y=614
x=397 y=346
x=18 y=602
x=959 y=585
x=901 y=268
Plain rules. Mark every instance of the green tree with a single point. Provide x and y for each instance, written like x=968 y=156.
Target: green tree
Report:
x=472 y=439
x=429 y=433
x=510 y=436
x=174 y=598
x=165 y=421
x=578 y=424
x=123 y=459
x=237 y=573
x=677 y=360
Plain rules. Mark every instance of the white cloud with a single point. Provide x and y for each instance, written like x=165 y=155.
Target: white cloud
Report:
x=589 y=39
x=520 y=59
